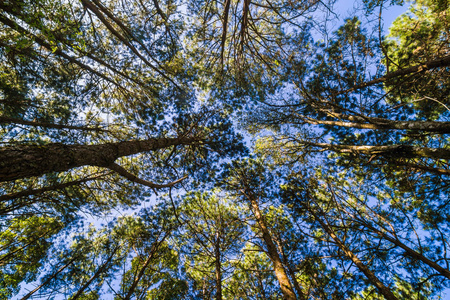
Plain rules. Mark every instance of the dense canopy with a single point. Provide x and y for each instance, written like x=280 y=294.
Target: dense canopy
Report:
x=245 y=149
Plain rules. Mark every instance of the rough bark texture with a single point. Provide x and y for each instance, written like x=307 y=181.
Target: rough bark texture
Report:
x=35 y=160
x=280 y=272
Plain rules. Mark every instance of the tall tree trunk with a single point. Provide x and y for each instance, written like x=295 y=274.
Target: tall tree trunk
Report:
x=99 y=271
x=410 y=252
x=394 y=151
x=290 y=270
x=384 y=290
x=280 y=272
x=49 y=279
x=218 y=267
x=24 y=161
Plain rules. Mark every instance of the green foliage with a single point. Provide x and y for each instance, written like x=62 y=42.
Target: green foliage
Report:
x=348 y=140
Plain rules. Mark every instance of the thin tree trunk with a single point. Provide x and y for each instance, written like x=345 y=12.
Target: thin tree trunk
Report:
x=141 y=273
x=49 y=279
x=218 y=266
x=290 y=270
x=24 y=161
x=414 y=254
x=8 y=120
x=59 y=186
x=384 y=290
x=380 y=123
x=95 y=276
x=394 y=151
x=432 y=64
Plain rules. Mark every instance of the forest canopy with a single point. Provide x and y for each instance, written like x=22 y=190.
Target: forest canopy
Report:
x=201 y=149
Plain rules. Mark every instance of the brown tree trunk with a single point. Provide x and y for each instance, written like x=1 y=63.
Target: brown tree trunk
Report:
x=218 y=270
x=412 y=253
x=290 y=270
x=280 y=272
x=49 y=279
x=141 y=272
x=99 y=271
x=384 y=290
x=380 y=123
x=432 y=64
x=24 y=161
x=394 y=151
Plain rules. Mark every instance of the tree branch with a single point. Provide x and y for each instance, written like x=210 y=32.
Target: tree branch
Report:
x=123 y=172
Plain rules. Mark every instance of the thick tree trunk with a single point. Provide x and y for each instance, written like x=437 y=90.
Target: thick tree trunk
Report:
x=280 y=272
x=24 y=161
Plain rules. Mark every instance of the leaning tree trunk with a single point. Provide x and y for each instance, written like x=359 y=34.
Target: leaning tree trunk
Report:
x=384 y=290
x=280 y=272
x=24 y=161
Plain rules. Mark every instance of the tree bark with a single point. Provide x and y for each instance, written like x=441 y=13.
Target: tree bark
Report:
x=380 y=123
x=24 y=161
x=99 y=271
x=410 y=252
x=394 y=151
x=218 y=266
x=384 y=290
x=290 y=270
x=280 y=272
x=432 y=64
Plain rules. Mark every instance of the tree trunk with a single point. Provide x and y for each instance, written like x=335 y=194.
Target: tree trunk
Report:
x=58 y=186
x=218 y=268
x=380 y=123
x=99 y=271
x=280 y=272
x=384 y=290
x=24 y=161
x=410 y=252
x=49 y=279
x=290 y=270
x=432 y=64
x=394 y=151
